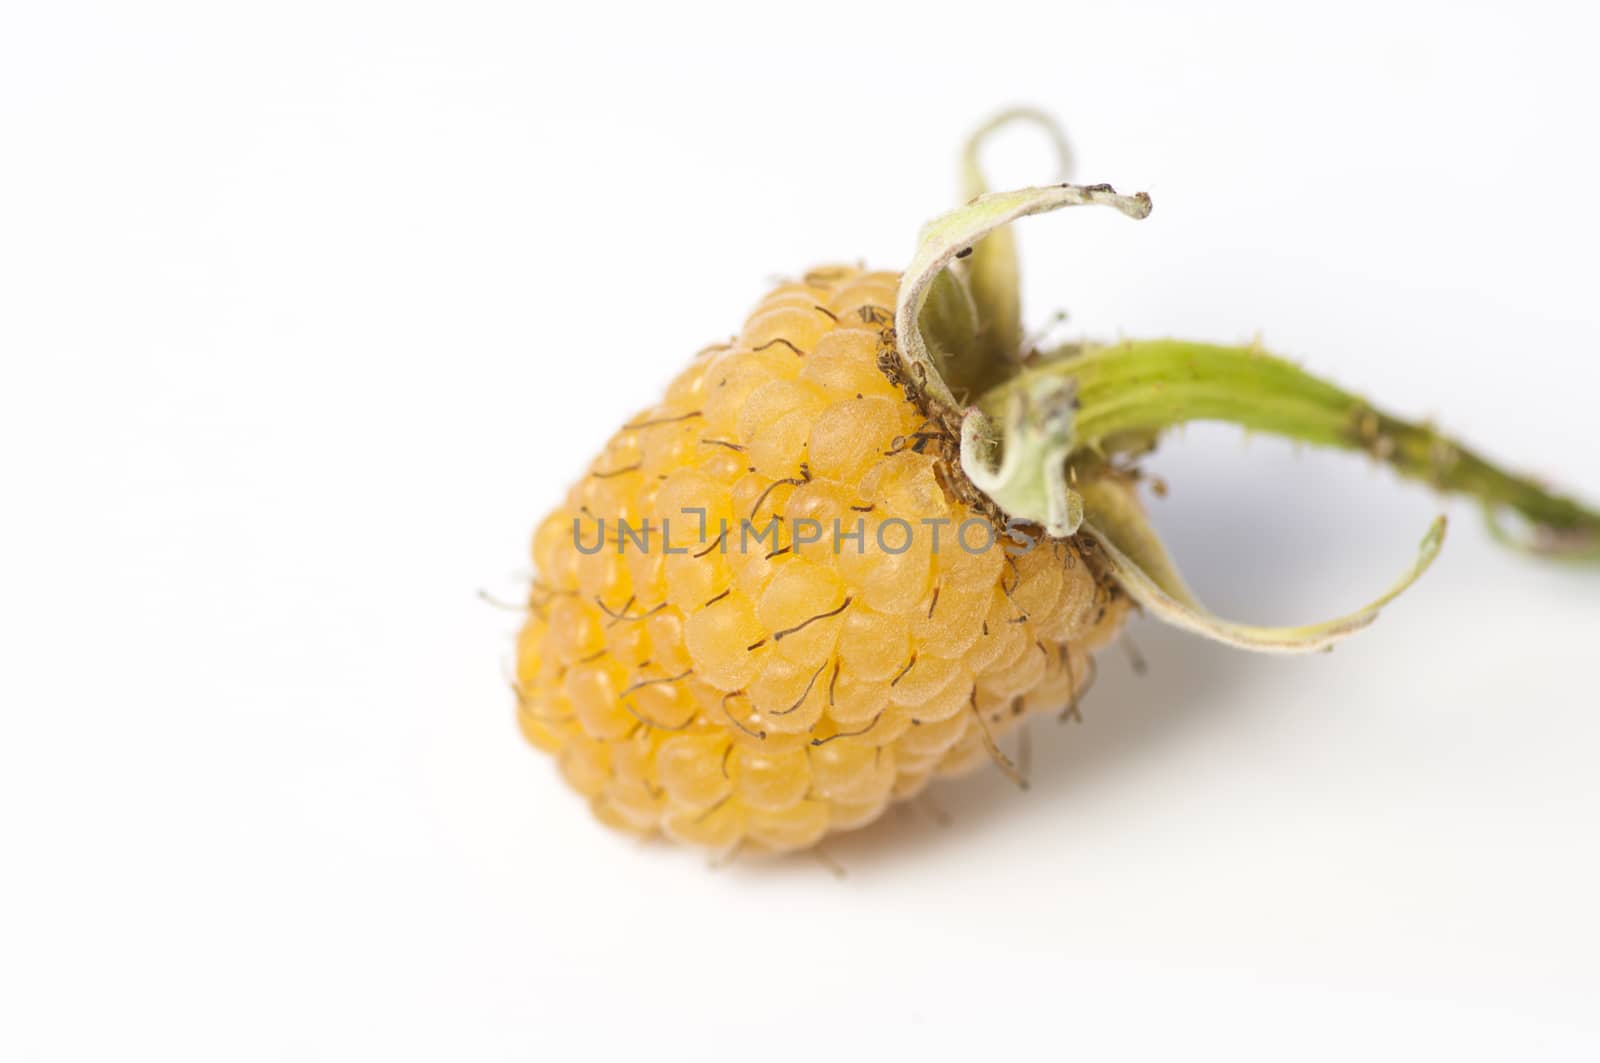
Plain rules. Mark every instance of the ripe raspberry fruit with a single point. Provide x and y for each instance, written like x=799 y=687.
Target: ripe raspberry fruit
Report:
x=855 y=545
x=720 y=687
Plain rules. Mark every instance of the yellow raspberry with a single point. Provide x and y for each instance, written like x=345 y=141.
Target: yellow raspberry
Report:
x=768 y=691
x=853 y=547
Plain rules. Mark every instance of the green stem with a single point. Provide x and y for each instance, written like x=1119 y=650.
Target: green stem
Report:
x=1130 y=392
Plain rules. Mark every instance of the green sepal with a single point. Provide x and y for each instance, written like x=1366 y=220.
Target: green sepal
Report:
x=991 y=270
x=1142 y=567
x=947 y=237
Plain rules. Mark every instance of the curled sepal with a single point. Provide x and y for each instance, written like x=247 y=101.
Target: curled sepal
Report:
x=991 y=270
x=949 y=318
x=953 y=234
x=1030 y=481
x=1143 y=569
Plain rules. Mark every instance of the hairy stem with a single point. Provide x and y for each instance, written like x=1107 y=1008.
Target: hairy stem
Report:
x=1130 y=392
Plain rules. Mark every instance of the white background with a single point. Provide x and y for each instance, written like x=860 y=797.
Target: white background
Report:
x=309 y=311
